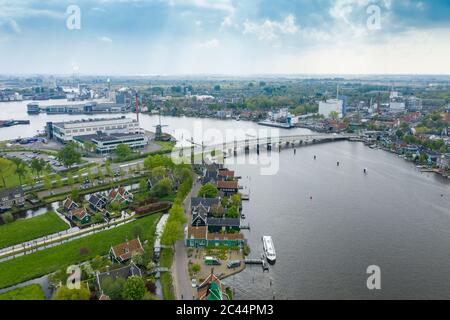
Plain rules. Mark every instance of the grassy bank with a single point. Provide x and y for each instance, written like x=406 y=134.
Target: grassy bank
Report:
x=166 y=261
x=49 y=260
x=167 y=286
x=28 y=229
x=32 y=292
x=166 y=258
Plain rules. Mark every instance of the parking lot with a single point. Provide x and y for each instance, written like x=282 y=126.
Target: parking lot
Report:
x=27 y=156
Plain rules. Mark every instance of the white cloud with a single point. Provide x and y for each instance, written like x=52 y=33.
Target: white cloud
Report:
x=213 y=43
x=271 y=29
x=104 y=39
x=222 y=5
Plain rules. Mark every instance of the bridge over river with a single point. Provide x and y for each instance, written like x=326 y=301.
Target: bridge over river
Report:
x=256 y=144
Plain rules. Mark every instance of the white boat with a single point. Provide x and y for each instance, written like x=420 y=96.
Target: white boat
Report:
x=269 y=248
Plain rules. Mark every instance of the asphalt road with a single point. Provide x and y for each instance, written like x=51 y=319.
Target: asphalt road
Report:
x=180 y=273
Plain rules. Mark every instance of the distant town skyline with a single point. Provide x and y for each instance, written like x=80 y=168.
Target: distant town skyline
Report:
x=224 y=37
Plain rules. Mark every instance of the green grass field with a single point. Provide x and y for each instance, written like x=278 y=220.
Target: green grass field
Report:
x=49 y=260
x=32 y=292
x=166 y=145
x=28 y=229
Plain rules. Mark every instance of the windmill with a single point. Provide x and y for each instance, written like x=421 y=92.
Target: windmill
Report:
x=159 y=136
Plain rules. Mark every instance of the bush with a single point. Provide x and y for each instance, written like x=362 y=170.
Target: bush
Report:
x=151 y=287
x=98 y=218
x=8 y=217
x=64 y=293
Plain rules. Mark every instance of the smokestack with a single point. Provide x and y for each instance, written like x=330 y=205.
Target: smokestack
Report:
x=137 y=108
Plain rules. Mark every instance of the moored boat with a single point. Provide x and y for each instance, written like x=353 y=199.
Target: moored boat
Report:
x=269 y=248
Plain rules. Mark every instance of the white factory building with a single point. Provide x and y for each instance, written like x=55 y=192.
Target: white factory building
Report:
x=396 y=102
x=66 y=131
x=331 y=105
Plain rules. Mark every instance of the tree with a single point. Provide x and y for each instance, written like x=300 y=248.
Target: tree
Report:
x=172 y=232
x=123 y=151
x=59 y=277
x=75 y=195
x=89 y=146
x=113 y=288
x=37 y=166
x=7 y=168
x=20 y=169
x=70 y=180
x=59 y=182
x=68 y=155
x=233 y=212
x=134 y=288
x=208 y=190
x=162 y=188
x=100 y=173
x=109 y=171
x=183 y=173
x=158 y=161
x=236 y=199
x=139 y=259
x=196 y=268
x=64 y=293
x=98 y=218
x=47 y=182
x=158 y=172
x=334 y=115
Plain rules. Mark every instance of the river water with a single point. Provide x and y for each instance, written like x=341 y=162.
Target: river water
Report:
x=328 y=223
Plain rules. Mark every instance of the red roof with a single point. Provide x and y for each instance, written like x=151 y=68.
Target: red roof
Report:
x=122 y=191
x=80 y=213
x=226 y=173
x=227 y=185
x=125 y=251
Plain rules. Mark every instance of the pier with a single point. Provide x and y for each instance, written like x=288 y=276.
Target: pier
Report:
x=264 y=264
x=10 y=123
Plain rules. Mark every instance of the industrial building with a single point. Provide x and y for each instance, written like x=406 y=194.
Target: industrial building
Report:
x=107 y=143
x=331 y=105
x=87 y=108
x=66 y=131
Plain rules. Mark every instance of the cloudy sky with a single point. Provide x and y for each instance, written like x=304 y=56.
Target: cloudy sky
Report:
x=136 y=37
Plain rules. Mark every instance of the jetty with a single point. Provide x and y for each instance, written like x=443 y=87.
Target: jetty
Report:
x=262 y=262
x=10 y=123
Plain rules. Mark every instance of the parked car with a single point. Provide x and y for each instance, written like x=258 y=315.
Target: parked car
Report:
x=234 y=264
x=212 y=261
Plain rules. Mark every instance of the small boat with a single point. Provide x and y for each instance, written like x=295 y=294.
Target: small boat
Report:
x=269 y=248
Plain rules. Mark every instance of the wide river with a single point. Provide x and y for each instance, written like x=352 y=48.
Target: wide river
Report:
x=328 y=223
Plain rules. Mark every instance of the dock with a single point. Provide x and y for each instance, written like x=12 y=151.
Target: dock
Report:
x=262 y=262
x=10 y=123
